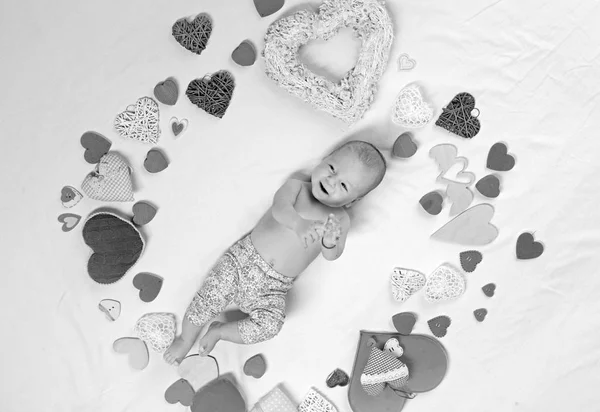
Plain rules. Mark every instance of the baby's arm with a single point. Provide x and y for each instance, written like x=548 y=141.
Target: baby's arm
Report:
x=332 y=249
x=283 y=204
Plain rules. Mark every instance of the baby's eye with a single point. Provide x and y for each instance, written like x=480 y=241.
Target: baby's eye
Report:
x=331 y=168
x=344 y=186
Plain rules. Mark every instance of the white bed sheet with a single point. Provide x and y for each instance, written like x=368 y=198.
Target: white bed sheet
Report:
x=534 y=68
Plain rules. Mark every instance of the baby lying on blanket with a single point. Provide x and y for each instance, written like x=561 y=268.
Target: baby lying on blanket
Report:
x=305 y=220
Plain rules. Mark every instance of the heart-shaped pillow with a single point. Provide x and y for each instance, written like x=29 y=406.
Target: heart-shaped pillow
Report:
x=410 y=109
x=352 y=96
x=157 y=330
x=383 y=368
x=140 y=121
x=116 y=243
x=111 y=181
x=445 y=283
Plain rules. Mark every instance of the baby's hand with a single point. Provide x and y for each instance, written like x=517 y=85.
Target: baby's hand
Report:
x=309 y=231
x=332 y=231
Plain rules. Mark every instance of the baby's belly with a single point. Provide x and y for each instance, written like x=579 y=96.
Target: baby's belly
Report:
x=281 y=247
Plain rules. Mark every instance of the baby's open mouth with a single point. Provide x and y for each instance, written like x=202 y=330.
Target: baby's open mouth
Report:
x=323 y=188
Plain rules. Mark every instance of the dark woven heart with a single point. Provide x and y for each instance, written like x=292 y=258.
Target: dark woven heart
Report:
x=193 y=35
x=212 y=93
x=117 y=245
x=457 y=117
x=337 y=377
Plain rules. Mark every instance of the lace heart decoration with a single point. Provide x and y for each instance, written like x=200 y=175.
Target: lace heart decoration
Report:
x=445 y=283
x=352 y=95
x=140 y=121
x=410 y=109
x=405 y=283
x=157 y=330
x=111 y=181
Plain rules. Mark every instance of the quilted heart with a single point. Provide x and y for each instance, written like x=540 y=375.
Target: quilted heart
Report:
x=136 y=349
x=315 y=402
x=157 y=330
x=352 y=95
x=471 y=227
x=410 y=109
x=439 y=325
x=458 y=117
x=180 y=391
x=140 y=121
x=193 y=35
x=111 y=181
x=116 y=245
x=148 y=284
x=198 y=370
x=470 y=259
x=275 y=401
x=383 y=368
x=337 y=378
x=212 y=93
x=255 y=366
x=527 y=248
x=445 y=283
x=405 y=283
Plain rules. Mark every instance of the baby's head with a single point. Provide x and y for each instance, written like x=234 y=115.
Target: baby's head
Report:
x=348 y=174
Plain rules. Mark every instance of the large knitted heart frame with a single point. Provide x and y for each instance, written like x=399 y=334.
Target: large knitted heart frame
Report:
x=352 y=96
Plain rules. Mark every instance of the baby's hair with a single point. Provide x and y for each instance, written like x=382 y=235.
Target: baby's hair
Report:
x=369 y=155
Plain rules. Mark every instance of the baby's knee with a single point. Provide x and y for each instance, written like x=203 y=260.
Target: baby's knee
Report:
x=260 y=326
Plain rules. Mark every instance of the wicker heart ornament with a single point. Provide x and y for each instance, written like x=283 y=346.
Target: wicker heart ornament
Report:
x=212 y=93
x=140 y=121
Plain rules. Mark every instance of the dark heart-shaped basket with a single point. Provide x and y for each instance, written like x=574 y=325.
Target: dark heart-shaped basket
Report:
x=212 y=93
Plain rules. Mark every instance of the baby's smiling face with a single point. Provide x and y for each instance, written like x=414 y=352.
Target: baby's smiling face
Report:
x=341 y=178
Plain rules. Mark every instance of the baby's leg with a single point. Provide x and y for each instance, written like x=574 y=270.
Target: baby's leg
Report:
x=216 y=293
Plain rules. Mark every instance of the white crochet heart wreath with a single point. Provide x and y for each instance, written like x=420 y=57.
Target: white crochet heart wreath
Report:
x=139 y=121
x=352 y=96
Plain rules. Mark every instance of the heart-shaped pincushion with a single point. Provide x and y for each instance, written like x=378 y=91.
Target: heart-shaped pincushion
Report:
x=116 y=245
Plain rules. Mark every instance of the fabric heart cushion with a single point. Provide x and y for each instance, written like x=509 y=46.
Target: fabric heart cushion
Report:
x=157 y=330
x=116 y=243
x=111 y=181
x=383 y=368
x=352 y=95
x=275 y=401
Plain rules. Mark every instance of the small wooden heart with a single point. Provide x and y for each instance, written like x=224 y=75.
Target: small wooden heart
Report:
x=255 y=366
x=404 y=147
x=489 y=290
x=178 y=126
x=337 y=378
x=143 y=213
x=527 y=248
x=198 y=370
x=432 y=202
x=393 y=346
x=136 y=349
x=69 y=221
x=267 y=7
x=180 y=391
x=439 y=325
x=244 y=54
x=405 y=62
x=111 y=308
x=155 y=161
x=148 y=284
x=480 y=314
x=489 y=186
x=404 y=322
x=499 y=159
x=69 y=196
x=167 y=92
x=470 y=259
x=95 y=146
